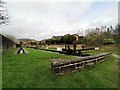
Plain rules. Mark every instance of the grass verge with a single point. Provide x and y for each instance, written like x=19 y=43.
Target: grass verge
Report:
x=32 y=70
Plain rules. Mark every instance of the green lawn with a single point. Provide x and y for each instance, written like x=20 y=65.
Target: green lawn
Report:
x=106 y=48
x=33 y=70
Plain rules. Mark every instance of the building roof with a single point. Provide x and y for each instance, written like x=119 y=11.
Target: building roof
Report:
x=2 y=36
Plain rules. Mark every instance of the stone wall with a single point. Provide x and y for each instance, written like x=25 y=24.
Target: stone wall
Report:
x=66 y=66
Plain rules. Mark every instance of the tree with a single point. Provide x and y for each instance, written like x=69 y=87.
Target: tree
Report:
x=3 y=13
x=99 y=36
x=91 y=36
x=116 y=34
x=80 y=32
x=49 y=41
x=68 y=39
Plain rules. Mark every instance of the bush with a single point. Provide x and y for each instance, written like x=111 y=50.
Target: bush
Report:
x=68 y=39
x=108 y=41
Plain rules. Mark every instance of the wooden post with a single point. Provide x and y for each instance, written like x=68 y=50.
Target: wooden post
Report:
x=83 y=46
x=68 y=51
x=65 y=47
x=79 y=52
x=74 y=47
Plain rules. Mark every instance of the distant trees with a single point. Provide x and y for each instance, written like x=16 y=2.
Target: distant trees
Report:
x=103 y=35
x=106 y=35
x=91 y=36
x=55 y=40
x=94 y=36
x=116 y=34
x=49 y=41
x=3 y=13
x=66 y=39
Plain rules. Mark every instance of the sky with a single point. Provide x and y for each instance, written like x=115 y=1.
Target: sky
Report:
x=41 y=20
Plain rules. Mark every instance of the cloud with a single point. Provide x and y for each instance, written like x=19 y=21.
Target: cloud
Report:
x=41 y=20
x=105 y=16
x=61 y=0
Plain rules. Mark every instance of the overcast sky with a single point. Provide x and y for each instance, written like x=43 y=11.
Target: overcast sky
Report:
x=41 y=20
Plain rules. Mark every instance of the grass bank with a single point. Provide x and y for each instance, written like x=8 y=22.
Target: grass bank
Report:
x=32 y=70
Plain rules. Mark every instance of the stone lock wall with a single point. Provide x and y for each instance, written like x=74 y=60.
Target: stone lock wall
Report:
x=65 y=66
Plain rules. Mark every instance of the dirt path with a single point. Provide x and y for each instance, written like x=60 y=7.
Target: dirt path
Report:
x=117 y=56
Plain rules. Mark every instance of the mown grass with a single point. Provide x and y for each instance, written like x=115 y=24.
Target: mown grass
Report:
x=32 y=70
x=114 y=48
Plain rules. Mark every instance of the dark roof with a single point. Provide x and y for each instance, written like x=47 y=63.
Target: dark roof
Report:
x=2 y=36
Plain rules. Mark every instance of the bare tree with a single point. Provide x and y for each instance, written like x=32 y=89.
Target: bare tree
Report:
x=3 y=13
x=80 y=32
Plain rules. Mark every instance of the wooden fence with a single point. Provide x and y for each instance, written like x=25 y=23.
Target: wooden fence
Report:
x=65 y=66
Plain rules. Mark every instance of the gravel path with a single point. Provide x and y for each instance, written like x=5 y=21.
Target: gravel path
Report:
x=117 y=56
